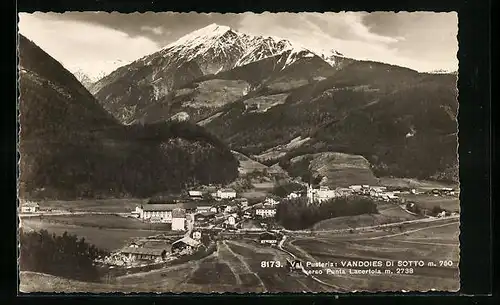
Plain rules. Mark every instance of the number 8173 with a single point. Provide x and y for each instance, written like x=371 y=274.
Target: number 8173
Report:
x=271 y=264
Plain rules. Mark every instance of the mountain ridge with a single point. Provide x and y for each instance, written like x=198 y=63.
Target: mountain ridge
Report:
x=262 y=105
x=71 y=148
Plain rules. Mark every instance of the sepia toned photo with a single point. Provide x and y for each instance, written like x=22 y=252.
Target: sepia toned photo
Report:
x=239 y=153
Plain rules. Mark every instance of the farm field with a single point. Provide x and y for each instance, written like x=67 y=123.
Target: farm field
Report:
x=388 y=213
x=411 y=244
x=102 y=221
x=236 y=265
x=414 y=183
x=109 y=238
x=448 y=203
x=101 y=205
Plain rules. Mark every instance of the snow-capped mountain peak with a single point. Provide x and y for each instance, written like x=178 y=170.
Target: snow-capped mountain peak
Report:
x=210 y=32
x=220 y=44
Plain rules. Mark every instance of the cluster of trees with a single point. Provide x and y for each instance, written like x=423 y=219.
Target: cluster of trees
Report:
x=282 y=189
x=64 y=255
x=72 y=148
x=297 y=214
x=138 y=169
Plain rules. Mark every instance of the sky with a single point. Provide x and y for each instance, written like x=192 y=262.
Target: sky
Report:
x=97 y=43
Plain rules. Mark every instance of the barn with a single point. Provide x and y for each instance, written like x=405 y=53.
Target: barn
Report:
x=185 y=243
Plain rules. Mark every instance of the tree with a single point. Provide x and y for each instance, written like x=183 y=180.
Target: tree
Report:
x=63 y=255
x=297 y=214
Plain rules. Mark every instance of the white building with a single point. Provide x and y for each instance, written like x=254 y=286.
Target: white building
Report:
x=265 y=212
x=185 y=243
x=203 y=208
x=197 y=235
x=231 y=220
x=29 y=207
x=178 y=219
x=195 y=195
x=225 y=194
x=344 y=191
x=230 y=208
x=213 y=210
x=155 y=212
x=379 y=189
x=243 y=202
x=270 y=201
x=320 y=195
x=355 y=188
x=292 y=195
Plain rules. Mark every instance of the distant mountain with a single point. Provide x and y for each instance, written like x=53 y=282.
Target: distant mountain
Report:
x=84 y=79
x=402 y=121
x=273 y=101
x=71 y=147
x=443 y=71
x=207 y=51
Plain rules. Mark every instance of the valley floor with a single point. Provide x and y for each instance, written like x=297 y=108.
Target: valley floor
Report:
x=237 y=265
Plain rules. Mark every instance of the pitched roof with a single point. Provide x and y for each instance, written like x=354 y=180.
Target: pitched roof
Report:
x=158 y=207
x=30 y=204
x=188 y=241
x=144 y=251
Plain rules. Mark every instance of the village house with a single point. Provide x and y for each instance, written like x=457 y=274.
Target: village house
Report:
x=29 y=207
x=203 y=208
x=355 y=188
x=155 y=212
x=292 y=195
x=243 y=202
x=195 y=195
x=196 y=235
x=265 y=212
x=230 y=208
x=268 y=238
x=185 y=243
x=178 y=219
x=225 y=194
x=231 y=220
x=213 y=210
x=344 y=191
x=138 y=253
x=204 y=216
x=270 y=201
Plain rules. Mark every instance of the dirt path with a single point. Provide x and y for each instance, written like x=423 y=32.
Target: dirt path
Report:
x=245 y=265
x=411 y=231
x=312 y=259
x=425 y=243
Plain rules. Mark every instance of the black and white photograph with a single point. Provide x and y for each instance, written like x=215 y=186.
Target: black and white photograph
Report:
x=238 y=153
